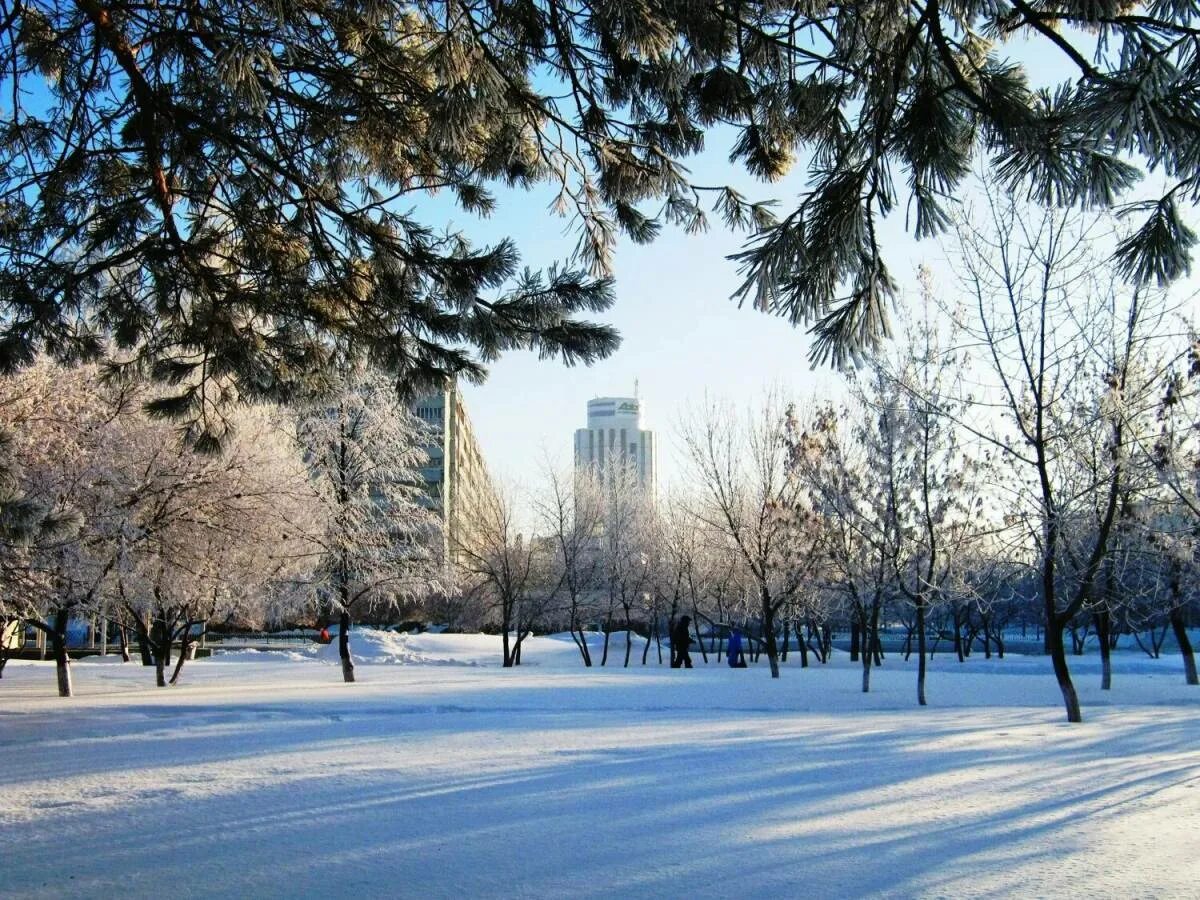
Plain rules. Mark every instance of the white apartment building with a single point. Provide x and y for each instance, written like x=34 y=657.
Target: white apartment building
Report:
x=614 y=439
x=455 y=475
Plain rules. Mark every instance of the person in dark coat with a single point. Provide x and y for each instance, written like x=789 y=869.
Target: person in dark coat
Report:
x=735 y=654
x=681 y=639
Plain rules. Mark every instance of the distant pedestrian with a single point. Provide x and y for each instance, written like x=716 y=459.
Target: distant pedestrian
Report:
x=324 y=637
x=734 y=653
x=681 y=639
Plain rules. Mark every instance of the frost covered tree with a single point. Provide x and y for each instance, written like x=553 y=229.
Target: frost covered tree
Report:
x=933 y=508
x=24 y=525
x=509 y=570
x=1062 y=341
x=680 y=576
x=61 y=428
x=570 y=512
x=841 y=459
x=378 y=547
x=1166 y=442
x=627 y=549
x=748 y=497
x=166 y=536
x=204 y=538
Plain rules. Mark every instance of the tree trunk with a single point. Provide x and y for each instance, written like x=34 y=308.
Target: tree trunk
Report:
x=646 y=648
x=699 y=641
x=185 y=647
x=580 y=638
x=871 y=646
x=62 y=662
x=575 y=640
x=4 y=652
x=1185 y=645
x=1058 y=656
x=866 y=672
x=787 y=637
x=587 y=652
x=628 y=639
x=143 y=639
x=160 y=647
x=1078 y=639
x=1103 y=624
x=920 y=651
x=768 y=614
x=505 y=627
x=123 y=637
x=344 y=647
x=607 y=635
x=855 y=633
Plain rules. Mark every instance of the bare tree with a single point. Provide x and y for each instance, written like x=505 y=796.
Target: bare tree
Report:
x=1043 y=305
x=627 y=549
x=843 y=458
x=749 y=498
x=570 y=509
x=508 y=571
x=1170 y=442
x=933 y=507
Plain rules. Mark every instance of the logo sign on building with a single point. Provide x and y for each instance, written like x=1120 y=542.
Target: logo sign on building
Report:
x=628 y=407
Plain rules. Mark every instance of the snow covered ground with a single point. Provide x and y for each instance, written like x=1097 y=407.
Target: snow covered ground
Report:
x=441 y=775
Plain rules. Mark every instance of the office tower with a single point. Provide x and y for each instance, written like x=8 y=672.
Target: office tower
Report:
x=614 y=440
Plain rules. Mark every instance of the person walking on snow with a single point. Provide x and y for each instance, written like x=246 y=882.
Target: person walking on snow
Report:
x=735 y=655
x=680 y=641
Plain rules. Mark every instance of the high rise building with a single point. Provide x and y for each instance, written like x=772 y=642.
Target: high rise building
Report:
x=458 y=480
x=614 y=439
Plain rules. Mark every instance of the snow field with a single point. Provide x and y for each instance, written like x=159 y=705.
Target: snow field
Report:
x=444 y=776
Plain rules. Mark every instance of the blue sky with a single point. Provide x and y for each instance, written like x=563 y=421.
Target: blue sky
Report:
x=683 y=336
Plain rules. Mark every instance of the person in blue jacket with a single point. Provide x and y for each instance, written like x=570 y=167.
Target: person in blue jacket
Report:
x=734 y=653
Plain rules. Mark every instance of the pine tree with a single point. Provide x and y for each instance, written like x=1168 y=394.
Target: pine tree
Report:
x=225 y=188
x=228 y=186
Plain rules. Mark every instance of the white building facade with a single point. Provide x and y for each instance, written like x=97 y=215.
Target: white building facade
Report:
x=614 y=440
x=457 y=478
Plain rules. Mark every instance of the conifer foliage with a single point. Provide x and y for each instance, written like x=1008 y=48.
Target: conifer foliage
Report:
x=225 y=185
